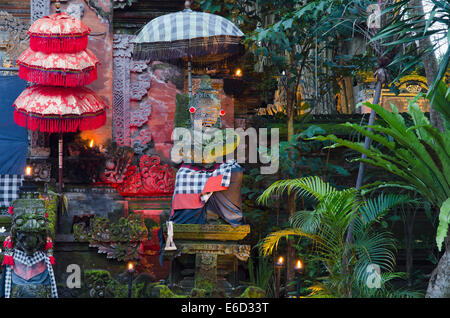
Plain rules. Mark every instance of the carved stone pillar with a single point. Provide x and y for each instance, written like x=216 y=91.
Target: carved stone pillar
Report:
x=39 y=8
x=39 y=142
x=122 y=49
x=206 y=269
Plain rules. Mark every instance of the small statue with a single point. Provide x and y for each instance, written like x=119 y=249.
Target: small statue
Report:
x=170 y=245
x=27 y=264
x=206 y=189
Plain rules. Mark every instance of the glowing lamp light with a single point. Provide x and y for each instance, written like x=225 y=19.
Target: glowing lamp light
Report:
x=280 y=262
x=91 y=143
x=130 y=266
x=192 y=110
x=238 y=72
x=28 y=171
x=222 y=112
x=298 y=267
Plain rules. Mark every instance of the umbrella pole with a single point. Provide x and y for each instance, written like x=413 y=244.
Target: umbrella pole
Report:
x=60 y=168
x=189 y=78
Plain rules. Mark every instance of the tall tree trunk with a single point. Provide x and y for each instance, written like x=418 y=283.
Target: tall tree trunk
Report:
x=431 y=67
x=290 y=253
x=439 y=284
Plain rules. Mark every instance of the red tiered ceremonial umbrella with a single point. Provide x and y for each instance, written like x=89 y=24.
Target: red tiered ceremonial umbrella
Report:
x=58 y=33
x=58 y=69
x=59 y=63
x=59 y=109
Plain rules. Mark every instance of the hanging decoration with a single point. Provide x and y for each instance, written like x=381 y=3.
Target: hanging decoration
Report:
x=58 y=33
x=59 y=109
x=58 y=69
x=58 y=57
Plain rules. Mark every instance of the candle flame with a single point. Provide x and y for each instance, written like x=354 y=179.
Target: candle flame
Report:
x=28 y=171
x=238 y=72
x=280 y=260
x=91 y=143
x=298 y=265
x=130 y=266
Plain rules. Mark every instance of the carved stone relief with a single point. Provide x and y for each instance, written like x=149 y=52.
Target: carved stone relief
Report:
x=121 y=88
x=131 y=106
x=76 y=10
x=39 y=9
x=39 y=142
x=13 y=37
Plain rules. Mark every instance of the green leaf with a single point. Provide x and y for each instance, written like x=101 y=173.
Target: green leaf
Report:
x=444 y=219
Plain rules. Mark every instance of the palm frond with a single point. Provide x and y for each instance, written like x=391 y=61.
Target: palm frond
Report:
x=271 y=241
x=374 y=209
x=313 y=187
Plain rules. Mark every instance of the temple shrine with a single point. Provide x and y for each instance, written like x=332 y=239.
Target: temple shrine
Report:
x=105 y=190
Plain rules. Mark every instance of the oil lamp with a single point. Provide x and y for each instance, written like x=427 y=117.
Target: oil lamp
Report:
x=27 y=183
x=28 y=171
x=298 y=268
x=130 y=270
x=279 y=264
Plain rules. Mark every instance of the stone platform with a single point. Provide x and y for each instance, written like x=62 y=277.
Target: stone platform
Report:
x=214 y=251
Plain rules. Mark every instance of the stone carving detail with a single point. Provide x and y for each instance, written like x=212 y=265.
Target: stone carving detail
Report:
x=414 y=89
x=140 y=87
x=139 y=66
x=117 y=162
x=150 y=178
x=41 y=171
x=131 y=83
x=121 y=88
x=120 y=4
x=13 y=35
x=39 y=9
x=40 y=142
x=29 y=257
x=119 y=240
x=76 y=10
x=140 y=116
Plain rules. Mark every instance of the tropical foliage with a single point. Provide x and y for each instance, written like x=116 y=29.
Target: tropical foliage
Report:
x=407 y=26
x=420 y=155
x=327 y=226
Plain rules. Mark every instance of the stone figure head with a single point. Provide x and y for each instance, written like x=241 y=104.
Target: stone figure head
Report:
x=76 y=10
x=29 y=225
x=205 y=106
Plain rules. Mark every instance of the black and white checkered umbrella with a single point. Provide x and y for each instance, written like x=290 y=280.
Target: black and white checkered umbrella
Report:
x=187 y=34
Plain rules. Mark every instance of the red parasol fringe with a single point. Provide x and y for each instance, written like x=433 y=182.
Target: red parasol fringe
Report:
x=60 y=125
x=57 y=78
x=58 y=44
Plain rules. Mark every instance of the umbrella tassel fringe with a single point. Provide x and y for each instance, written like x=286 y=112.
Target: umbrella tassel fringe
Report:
x=58 y=78
x=58 y=45
x=58 y=125
x=145 y=51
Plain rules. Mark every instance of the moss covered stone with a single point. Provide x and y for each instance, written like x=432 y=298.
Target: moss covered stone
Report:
x=162 y=291
x=253 y=292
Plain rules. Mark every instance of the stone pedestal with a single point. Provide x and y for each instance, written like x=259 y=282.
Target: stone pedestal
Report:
x=212 y=247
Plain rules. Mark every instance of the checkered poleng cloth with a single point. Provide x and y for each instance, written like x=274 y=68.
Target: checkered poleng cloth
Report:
x=184 y=25
x=9 y=188
x=194 y=181
x=23 y=258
